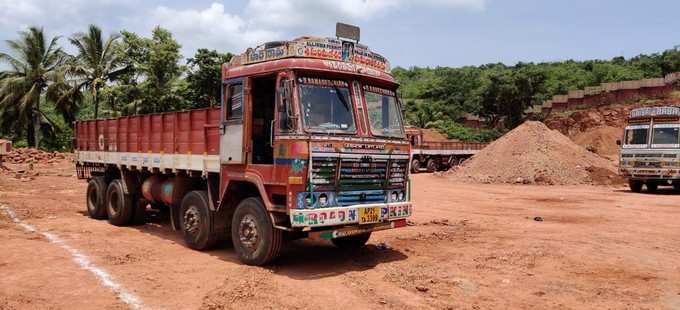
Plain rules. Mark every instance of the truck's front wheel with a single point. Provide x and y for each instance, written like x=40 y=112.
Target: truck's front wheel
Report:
x=351 y=242
x=195 y=221
x=635 y=186
x=255 y=239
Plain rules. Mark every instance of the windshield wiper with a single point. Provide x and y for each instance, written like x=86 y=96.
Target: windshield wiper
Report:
x=341 y=98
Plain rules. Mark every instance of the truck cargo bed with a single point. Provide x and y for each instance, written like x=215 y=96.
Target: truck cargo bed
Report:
x=187 y=140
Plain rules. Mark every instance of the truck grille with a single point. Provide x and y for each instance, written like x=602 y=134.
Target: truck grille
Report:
x=362 y=173
x=358 y=174
x=324 y=170
x=642 y=164
x=398 y=172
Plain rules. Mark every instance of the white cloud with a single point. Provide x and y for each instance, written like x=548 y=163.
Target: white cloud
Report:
x=210 y=28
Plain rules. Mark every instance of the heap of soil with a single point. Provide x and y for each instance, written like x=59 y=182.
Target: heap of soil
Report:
x=600 y=140
x=34 y=156
x=432 y=135
x=534 y=154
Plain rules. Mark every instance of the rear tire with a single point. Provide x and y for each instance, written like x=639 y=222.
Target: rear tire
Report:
x=119 y=206
x=96 y=198
x=255 y=239
x=196 y=222
x=431 y=165
x=652 y=187
x=635 y=186
x=351 y=242
x=415 y=166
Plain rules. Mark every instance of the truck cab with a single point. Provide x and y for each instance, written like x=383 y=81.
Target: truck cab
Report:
x=650 y=149
x=308 y=142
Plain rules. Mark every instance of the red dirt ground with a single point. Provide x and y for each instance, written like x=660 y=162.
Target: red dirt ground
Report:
x=472 y=246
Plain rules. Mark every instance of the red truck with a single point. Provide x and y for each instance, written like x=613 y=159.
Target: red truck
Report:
x=434 y=156
x=308 y=142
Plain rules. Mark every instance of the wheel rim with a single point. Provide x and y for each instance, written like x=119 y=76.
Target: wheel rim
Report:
x=247 y=232
x=114 y=202
x=192 y=220
x=92 y=199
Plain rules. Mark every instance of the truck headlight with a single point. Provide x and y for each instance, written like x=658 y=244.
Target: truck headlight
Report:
x=393 y=196
x=401 y=196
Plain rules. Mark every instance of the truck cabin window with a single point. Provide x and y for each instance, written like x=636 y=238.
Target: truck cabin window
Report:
x=326 y=105
x=636 y=135
x=665 y=135
x=234 y=102
x=383 y=112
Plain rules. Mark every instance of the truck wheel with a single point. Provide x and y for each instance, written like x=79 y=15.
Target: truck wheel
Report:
x=415 y=166
x=255 y=239
x=195 y=221
x=635 y=186
x=96 y=198
x=431 y=165
x=119 y=206
x=351 y=242
x=652 y=187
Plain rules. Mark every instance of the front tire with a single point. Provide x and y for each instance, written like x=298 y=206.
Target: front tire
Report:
x=635 y=186
x=119 y=206
x=255 y=239
x=195 y=221
x=96 y=198
x=652 y=187
x=351 y=242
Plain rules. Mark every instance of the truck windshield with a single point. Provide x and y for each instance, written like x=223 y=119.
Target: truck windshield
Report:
x=326 y=105
x=383 y=112
x=636 y=135
x=665 y=135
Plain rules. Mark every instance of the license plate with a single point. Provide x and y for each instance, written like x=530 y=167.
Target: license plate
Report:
x=369 y=215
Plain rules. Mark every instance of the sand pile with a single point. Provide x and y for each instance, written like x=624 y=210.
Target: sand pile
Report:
x=432 y=135
x=533 y=153
x=29 y=155
x=601 y=140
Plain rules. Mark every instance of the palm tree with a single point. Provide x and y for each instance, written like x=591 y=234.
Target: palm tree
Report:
x=35 y=64
x=96 y=62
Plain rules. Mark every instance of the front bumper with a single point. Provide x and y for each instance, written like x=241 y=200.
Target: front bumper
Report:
x=650 y=174
x=348 y=215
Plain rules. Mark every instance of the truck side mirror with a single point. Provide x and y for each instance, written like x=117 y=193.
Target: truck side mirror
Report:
x=618 y=142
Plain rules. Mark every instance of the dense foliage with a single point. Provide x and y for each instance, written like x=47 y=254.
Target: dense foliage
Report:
x=440 y=97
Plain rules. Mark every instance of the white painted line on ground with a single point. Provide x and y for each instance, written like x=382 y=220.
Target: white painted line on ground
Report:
x=83 y=261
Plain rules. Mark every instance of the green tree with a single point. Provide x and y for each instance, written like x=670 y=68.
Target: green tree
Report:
x=153 y=82
x=96 y=62
x=36 y=63
x=204 y=77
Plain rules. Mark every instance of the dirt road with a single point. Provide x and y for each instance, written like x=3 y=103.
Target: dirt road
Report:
x=472 y=247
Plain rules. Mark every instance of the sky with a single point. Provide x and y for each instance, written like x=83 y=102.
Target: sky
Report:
x=408 y=33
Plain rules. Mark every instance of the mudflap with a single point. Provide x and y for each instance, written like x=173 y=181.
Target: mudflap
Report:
x=355 y=230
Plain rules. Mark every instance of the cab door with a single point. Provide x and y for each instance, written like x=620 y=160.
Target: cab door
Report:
x=232 y=149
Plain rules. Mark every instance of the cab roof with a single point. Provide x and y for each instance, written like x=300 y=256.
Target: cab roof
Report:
x=310 y=53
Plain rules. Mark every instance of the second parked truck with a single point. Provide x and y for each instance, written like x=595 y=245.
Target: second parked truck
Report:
x=650 y=150
x=308 y=142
